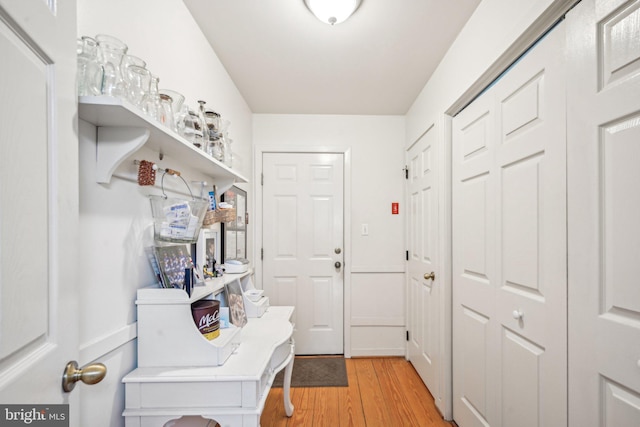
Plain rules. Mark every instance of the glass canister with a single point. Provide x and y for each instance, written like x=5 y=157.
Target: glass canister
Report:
x=177 y=99
x=90 y=71
x=166 y=112
x=203 y=125
x=111 y=51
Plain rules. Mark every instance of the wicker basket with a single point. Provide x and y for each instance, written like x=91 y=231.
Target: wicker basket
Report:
x=219 y=215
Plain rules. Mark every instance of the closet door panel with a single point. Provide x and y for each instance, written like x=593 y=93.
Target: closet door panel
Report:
x=509 y=237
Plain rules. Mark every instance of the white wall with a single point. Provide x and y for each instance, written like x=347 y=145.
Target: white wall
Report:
x=377 y=180
x=116 y=218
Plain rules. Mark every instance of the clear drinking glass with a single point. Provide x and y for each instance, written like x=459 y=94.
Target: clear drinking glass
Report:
x=111 y=51
x=90 y=71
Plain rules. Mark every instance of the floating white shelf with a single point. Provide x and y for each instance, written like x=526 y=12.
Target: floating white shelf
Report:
x=123 y=129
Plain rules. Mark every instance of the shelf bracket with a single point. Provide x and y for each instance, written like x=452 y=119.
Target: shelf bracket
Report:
x=114 y=145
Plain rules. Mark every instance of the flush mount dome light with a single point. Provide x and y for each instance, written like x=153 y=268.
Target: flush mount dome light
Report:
x=332 y=11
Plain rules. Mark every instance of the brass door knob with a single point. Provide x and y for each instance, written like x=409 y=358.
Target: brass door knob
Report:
x=88 y=374
x=428 y=276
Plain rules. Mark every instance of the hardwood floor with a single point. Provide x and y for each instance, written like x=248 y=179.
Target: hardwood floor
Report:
x=381 y=392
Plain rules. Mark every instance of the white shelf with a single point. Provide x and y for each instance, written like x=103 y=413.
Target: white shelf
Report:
x=158 y=295
x=123 y=129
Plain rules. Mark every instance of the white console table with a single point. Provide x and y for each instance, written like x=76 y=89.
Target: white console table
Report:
x=232 y=394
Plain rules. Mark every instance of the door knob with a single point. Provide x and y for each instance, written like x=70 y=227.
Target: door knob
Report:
x=338 y=264
x=431 y=276
x=88 y=374
x=337 y=250
x=517 y=314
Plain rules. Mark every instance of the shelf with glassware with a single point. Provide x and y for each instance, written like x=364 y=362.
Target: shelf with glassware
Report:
x=123 y=129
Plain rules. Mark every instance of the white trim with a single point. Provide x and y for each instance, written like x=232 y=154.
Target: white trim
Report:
x=97 y=348
x=399 y=268
x=528 y=38
x=258 y=151
x=444 y=402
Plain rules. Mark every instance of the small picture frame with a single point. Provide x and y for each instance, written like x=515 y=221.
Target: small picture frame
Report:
x=237 y=313
x=208 y=249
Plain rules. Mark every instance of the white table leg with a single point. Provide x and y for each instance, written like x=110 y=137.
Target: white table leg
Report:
x=288 y=370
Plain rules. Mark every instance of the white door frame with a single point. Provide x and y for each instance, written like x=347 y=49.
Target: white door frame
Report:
x=444 y=402
x=258 y=151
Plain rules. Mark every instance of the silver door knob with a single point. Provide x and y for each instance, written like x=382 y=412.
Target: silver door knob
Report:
x=337 y=250
x=517 y=314
x=88 y=374
x=428 y=276
x=338 y=264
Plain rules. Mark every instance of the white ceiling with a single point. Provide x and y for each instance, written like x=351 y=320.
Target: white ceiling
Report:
x=283 y=60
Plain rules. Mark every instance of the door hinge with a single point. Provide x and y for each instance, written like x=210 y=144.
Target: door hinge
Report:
x=406 y=172
x=261 y=254
x=407 y=255
x=407 y=335
x=261 y=179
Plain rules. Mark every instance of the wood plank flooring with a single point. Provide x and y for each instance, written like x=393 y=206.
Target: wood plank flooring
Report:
x=381 y=392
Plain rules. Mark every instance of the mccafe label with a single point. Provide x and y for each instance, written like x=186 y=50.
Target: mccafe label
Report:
x=206 y=315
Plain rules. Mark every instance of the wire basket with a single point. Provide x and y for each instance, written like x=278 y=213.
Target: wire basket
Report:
x=220 y=215
x=177 y=220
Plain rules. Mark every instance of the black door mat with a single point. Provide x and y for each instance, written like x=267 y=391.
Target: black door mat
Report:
x=324 y=371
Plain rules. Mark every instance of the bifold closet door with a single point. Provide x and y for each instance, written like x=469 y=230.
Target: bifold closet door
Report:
x=509 y=247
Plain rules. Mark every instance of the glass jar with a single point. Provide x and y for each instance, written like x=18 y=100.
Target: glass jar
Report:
x=111 y=51
x=166 y=112
x=203 y=126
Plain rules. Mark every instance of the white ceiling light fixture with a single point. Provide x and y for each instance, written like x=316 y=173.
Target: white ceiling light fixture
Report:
x=332 y=11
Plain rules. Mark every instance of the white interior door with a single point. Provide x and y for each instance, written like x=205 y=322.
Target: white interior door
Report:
x=509 y=247
x=424 y=289
x=303 y=245
x=604 y=213
x=38 y=201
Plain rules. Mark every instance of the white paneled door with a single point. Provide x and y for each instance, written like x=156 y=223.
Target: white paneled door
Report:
x=604 y=213
x=38 y=202
x=424 y=291
x=303 y=245
x=509 y=247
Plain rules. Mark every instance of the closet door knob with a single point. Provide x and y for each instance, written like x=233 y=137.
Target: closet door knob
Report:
x=517 y=314
x=428 y=276
x=338 y=264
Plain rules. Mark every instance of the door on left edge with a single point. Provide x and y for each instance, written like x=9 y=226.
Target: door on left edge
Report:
x=38 y=202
